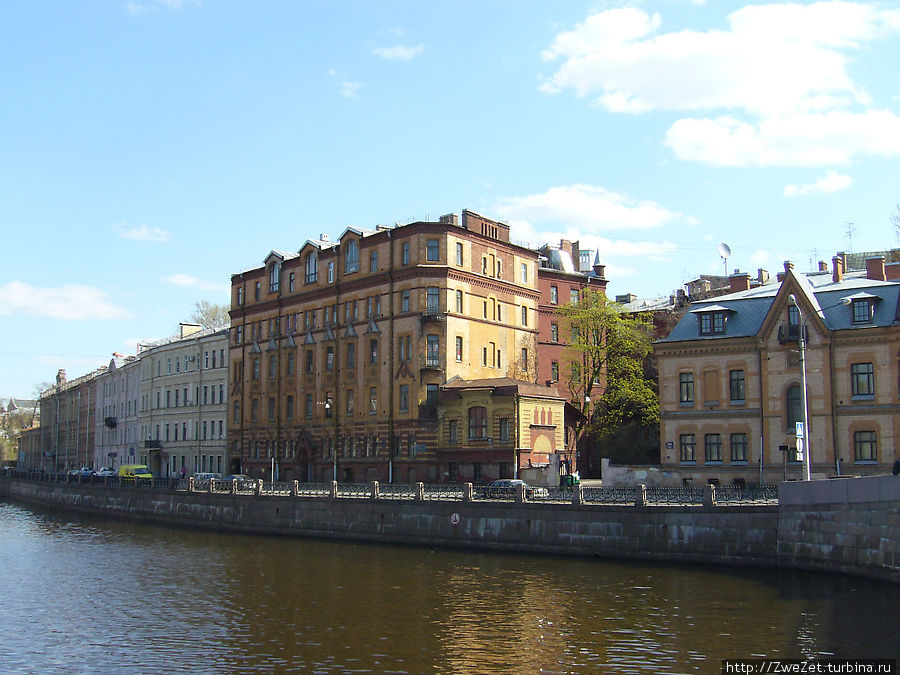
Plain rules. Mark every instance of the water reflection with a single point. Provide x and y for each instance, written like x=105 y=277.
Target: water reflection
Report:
x=84 y=595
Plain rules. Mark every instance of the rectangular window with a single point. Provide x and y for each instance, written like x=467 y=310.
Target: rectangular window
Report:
x=862 y=379
x=459 y=348
x=290 y=363
x=554 y=332
x=554 y=371
x=687 y=448
x=432 y=300
x=504 y=428
x=524 y=315
x=329 y=405
x=309 y=361
x=373 y=261
x=573 y=296
x=329 y=358
x=404 y=398
x=554 y=295
x=236 y=413
x=256 y=291
x=477 y=422
x=459 y=302
x=291 y=277
x=351 y=401
x=524 y=358
x=404 y=253
x=331 y=272
x=524 y=273
x=685 y=387
x=432 y=351
x=739 y=447
x=289 y=408
x=453 y=431
x=351 y=355
x=432 y=250
x=736 y=389
x=373 y=401
x=309 y=406
x=404 y=301
x=459 y=254
x=254 y=411
x=431 y=394
x=862 y=311
x=865 y=446
x=271 y=406
x=373 y=352
x=256 y=369
x=273 y=368
x=712 y=445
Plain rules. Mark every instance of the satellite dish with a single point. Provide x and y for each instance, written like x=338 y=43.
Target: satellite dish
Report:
x=725 y=251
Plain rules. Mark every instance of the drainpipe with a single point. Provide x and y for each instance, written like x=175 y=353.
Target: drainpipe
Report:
x=390 y=443
x=762 y=414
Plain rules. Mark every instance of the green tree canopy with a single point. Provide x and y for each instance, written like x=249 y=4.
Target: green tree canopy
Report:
x=609 y=352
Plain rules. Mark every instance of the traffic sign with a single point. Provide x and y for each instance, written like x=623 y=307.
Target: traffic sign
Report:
x=800 y=433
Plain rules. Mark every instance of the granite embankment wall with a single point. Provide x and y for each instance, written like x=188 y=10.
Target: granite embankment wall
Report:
x=850 y=526
x=846 y=526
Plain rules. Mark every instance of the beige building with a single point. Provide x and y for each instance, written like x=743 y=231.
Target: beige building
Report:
x=339 y=351
x=731 y=379
x=183 y=403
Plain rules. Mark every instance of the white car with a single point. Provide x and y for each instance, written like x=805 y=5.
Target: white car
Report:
x=105 y=472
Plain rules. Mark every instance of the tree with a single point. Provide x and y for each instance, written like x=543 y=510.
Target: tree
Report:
x=895 y=221
x=210 y=315
x=609 y=379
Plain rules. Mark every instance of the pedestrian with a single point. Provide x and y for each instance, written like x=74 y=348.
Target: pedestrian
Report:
x=183 y=472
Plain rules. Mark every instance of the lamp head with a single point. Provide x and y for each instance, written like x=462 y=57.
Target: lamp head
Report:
x=792 y=300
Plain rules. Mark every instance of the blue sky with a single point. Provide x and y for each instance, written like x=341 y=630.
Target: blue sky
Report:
x=151 y=148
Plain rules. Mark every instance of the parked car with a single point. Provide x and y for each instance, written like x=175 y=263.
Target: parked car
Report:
x=505 y=488
x=83 y=472
x=135 y=471
x=206 y=475
x=104 y=472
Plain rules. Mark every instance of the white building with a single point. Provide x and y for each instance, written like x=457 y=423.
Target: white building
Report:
x=184 y=393
x=117 y=438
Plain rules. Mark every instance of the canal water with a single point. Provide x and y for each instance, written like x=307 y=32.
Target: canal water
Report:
x=85 y=595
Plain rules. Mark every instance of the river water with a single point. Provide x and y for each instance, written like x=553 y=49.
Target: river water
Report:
x=86 y=595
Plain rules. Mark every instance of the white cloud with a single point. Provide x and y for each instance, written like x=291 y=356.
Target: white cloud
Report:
x=141 y=232
x=348 y=89
x=149 y=5
x=584 y=208
x=399 y=53
x=830 y=182
x=72 y=302
x=814 y=139
x=772 y=60
x=187 y=281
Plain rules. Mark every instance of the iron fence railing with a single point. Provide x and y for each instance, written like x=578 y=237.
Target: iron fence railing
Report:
x=728 y=495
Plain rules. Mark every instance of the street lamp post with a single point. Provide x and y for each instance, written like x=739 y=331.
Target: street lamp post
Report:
x=792 y=301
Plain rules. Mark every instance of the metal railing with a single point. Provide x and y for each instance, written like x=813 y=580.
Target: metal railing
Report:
x=713 y=495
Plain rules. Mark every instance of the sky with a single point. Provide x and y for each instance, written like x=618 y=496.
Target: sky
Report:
x=149 y=149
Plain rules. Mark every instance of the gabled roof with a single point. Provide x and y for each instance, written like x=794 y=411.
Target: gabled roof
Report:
x=279 y=255
x=748 y=310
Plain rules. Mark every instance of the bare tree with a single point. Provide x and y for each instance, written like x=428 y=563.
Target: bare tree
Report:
x=210 y=315
x=895 y=221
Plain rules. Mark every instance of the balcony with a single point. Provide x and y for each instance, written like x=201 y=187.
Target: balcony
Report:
x=153 y=444
x=427 y=411
x=433 y=314
x=789 y=333
x=110 y=422
x=431 y=362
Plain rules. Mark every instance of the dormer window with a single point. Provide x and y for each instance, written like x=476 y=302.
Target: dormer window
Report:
x=274 y=277
x=712 y=319
x=351 y=259
x=312 y=267
x=862 y=311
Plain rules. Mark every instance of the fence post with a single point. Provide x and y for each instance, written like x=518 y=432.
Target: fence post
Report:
x=334 y=490
x=420 y=491
x=209 y=489
x=376 y=489
x=640 y=496
x=709 y=495
x=234 y=484
x=520 y=493
x=577 y=495
x=258 y=489
x=468 y=492
x=191 y=484
x=295 y=488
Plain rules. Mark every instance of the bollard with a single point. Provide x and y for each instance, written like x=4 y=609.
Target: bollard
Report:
x=376 y=489
x=640 y=496
x=709 y=495
x=295 y=488
x=209 y=488
x=577 y=495
x=234 y=484
x=468 y=492
x=520 y=493
x=191 y=484
x=334 y=490
x=420 y=491
x=258 y=489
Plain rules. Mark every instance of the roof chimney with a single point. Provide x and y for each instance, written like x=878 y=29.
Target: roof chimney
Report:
x=823 y=266
x=788 y=266
x=837 y=272
x=875 y=268
x=739 y=281
x=60 y=377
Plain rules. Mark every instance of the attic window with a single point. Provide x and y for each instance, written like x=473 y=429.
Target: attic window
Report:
x=862 y=311
x=712 y=323
x=351 y=260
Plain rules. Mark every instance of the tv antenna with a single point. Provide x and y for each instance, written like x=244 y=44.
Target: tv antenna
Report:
x=725 y=253
x=850 y=232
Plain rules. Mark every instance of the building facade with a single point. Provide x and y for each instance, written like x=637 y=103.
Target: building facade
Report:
x=339 y=352
x=68 y=410
x=183 y=403
x=117 y=423
x=731 y=378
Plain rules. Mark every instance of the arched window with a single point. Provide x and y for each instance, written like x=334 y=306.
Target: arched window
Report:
x=793 y=407
x=312 y=267
x=477 y=422
x=351 y=259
